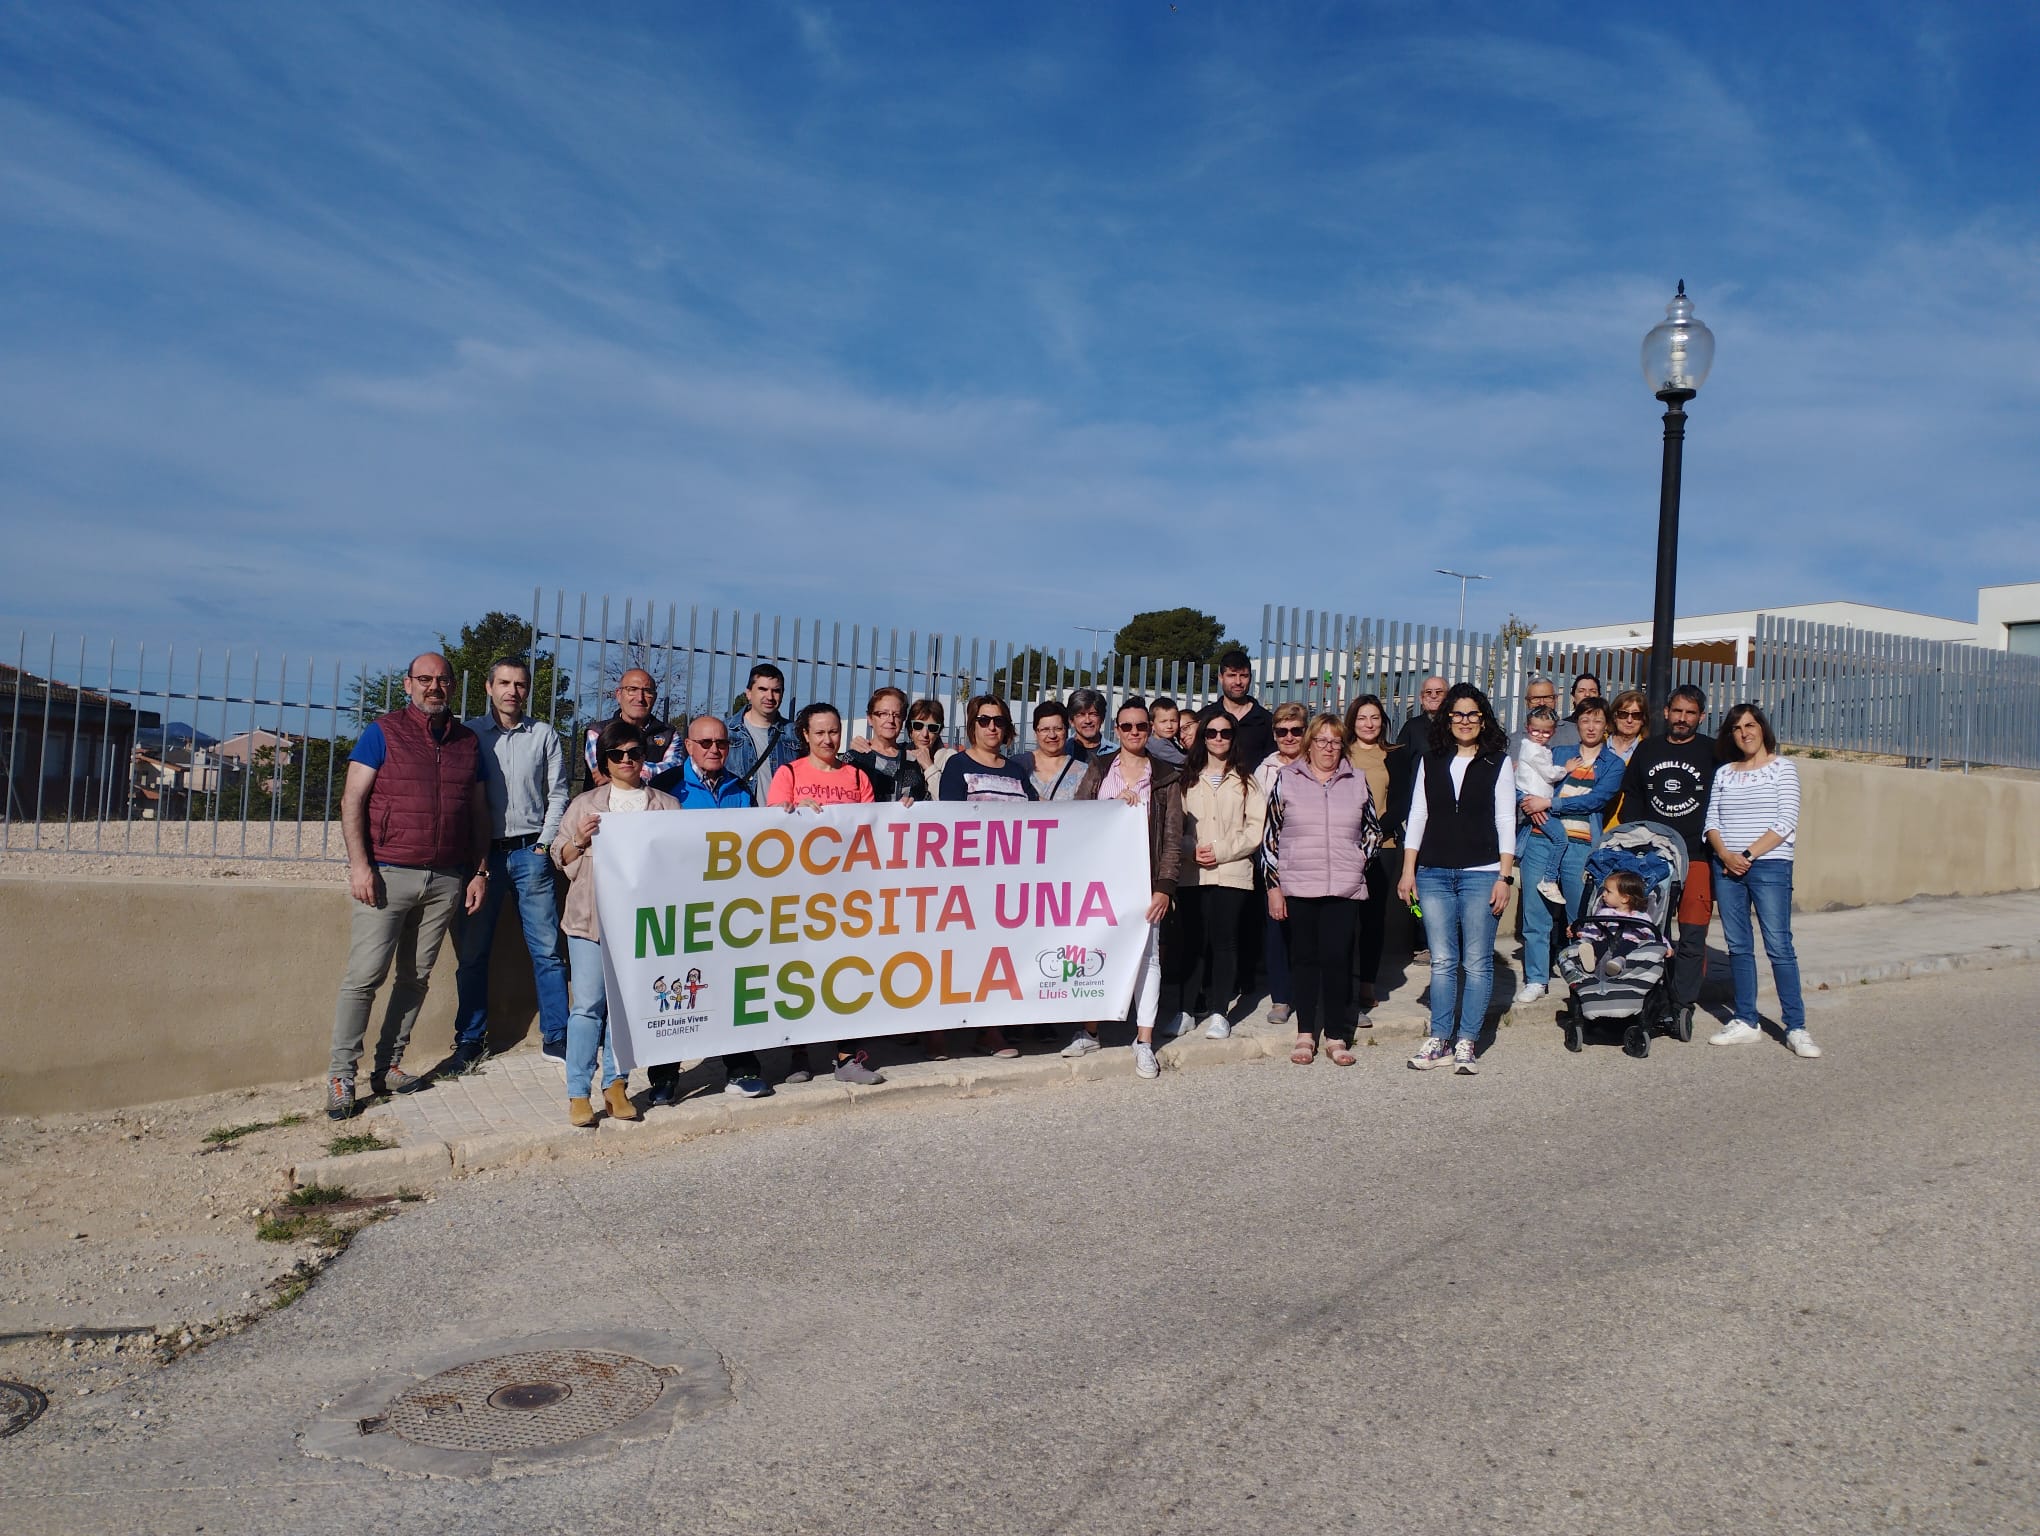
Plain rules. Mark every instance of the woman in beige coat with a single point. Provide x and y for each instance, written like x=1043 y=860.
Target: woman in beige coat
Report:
x=621 y=749
x=1224 y=813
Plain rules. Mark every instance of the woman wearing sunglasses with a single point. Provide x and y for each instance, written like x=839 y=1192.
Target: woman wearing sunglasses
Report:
x=924 y=742
x=1627 y=717
x=1224 y=814
x=1132 y=776
x=1459 y=855
x=981 y=771
x=1286 y=724
x=621 y=750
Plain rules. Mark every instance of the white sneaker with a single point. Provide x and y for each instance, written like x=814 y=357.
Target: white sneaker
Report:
x=1801 y=1043
x=1462 y=1058
x=1217 y=1027
x=1549 y=890
x=1082 y=1043
x=1144 y=1063
x=1735 y=1032
x=1181 y=1024
x=1531 y=992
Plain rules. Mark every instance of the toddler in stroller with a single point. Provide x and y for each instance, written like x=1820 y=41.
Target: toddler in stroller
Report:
x=1618 y=963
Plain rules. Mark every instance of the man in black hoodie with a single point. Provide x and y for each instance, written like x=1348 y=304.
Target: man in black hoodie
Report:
x=1253 y=729
x=1668 y=781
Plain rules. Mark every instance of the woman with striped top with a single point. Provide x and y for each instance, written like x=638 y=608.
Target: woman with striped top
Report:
x=1752 y=820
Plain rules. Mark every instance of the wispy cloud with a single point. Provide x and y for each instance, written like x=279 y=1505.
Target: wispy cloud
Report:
x=346 y=324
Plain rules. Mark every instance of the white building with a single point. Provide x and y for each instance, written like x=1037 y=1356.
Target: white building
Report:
x=2007 y=618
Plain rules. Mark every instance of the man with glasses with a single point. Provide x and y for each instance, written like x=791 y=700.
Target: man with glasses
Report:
x=636 y=693
x=524 y=772
x=1416 y=732
x=1253 y=729
x=1668 y=780
x=416 y=818
x=761 y=738
x=704 y=783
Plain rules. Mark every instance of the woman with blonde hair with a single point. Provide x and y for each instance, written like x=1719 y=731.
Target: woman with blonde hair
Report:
x=1286 y=723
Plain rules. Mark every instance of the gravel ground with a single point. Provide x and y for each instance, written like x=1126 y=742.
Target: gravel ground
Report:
x=130 y=851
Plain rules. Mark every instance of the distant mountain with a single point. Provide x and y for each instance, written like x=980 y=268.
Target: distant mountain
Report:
x=177 y=734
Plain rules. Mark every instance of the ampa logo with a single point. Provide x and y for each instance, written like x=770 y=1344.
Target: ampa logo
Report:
x=1070 y=962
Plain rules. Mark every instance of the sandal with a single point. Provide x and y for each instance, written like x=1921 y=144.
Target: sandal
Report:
x=1340 y=1053
x=1305 y=1052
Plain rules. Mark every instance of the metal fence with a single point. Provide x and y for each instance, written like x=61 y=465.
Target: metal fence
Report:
x=1327 y=660
x=1931 y=702
x=186 y=753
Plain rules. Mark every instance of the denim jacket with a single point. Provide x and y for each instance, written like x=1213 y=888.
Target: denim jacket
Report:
x=780 y=749
x=1592 y=807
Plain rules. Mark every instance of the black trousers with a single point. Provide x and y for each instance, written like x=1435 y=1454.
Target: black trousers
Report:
x=1371 y=938
x=1321 y=930
x=1213 y=919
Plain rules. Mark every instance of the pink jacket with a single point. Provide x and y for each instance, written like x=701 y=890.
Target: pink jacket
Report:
x=1320 y=835
x=578 y=918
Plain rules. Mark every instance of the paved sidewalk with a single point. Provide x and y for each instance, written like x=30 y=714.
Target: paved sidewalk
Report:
x=514 y=1106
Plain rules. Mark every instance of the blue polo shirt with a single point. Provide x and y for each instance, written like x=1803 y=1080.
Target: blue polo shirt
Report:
x=372 y=751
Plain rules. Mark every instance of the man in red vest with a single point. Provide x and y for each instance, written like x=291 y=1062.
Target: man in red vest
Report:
x=416 y=816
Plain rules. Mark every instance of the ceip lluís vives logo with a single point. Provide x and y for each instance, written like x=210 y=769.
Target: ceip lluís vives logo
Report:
x=1070 y=970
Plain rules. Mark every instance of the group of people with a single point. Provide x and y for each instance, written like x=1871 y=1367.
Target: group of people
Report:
x=1279 y=841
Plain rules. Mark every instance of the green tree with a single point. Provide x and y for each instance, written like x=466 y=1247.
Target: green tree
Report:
x=496 y=634
x=1035 y=675
x=1173 y=634
x=305 y=772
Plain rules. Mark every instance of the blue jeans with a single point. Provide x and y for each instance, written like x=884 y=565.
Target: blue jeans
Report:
x=1537 y=858
x=588 y=1024
x=538 y=910
x=1460 y=929
x=1765 y=890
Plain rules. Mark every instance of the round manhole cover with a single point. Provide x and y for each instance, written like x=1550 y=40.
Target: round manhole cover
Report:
x=524 y=1402
x=20 y=1406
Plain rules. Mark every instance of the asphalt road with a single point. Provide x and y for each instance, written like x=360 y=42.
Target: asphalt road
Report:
x=1720 y=1290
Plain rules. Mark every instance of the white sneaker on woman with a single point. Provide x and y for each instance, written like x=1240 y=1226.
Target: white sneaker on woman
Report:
x=1217 y=1027
x=1531 y=992
x=1735 y=1032
x=1801 y=1043
x=1144 y=1063
x=1180 y=1025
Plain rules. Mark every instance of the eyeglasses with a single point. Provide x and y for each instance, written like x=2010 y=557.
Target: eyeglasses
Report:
x=985 y=720
x=428 y=680
x=710 y=744
x=1288 y=730
x=931 y=726
x=622 y=754
x=1628 y=714
x=1133 y=727
x=885 y=714
x=1211 y=734
x=1464 y=717
x=634 y=688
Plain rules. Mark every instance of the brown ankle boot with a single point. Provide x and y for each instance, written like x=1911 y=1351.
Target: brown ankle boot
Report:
x=617 y=1097
x=580 y=1112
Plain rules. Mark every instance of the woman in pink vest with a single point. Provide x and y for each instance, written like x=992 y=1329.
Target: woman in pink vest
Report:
x=1322 y=830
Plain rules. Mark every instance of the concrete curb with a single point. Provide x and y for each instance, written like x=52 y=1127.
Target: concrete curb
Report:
x=971 y=1079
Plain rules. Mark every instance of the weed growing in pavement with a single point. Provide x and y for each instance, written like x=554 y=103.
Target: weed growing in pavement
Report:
x=290 y=1229
x=316 y=1194
x=357 y=1141
x=220 y=1135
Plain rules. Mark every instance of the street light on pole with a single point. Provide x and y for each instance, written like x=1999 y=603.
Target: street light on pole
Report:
x=1676 y=356
x=1463 y=578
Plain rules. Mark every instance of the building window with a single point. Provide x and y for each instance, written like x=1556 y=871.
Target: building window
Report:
x=2023 y=639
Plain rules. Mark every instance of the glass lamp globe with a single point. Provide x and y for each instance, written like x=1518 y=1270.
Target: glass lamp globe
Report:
x=1679 y=349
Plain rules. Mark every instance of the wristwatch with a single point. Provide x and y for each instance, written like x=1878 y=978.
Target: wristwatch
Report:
x=1748 y=855
x=1507 y=879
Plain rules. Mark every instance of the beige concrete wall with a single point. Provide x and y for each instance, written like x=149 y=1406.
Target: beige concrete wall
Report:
x=1870 y=835
x=126 y=991
x=121 y=992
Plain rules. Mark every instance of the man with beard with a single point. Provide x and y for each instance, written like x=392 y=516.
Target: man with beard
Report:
x=1253 y=727
x=415 y=813
x=1667 y=781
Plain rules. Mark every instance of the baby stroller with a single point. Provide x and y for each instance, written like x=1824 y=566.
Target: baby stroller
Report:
x=1637 y=987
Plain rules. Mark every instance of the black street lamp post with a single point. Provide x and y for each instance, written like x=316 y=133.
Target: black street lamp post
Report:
x=1676 y=356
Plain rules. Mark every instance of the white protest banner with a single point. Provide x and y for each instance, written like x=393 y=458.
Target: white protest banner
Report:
x=736 y=930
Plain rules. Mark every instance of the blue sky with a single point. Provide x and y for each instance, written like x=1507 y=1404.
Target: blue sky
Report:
x=333 y=325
